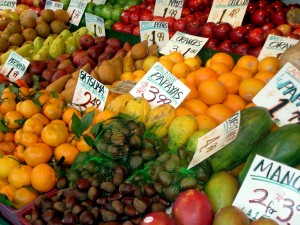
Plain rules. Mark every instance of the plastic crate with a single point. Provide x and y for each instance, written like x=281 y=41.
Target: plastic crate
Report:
x=11 y=214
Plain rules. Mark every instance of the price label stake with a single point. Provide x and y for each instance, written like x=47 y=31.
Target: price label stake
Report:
x=188 y=45
x=89 y=92
x=95 y=24
x=15 y=66
x=8 y=4
x=159 y=86
x=167 y=8
x=228 y=11
x=270 y=190
x=75 y=10
x=155 y=32
x=53 y=5
x=216 y=139
x=281 y=96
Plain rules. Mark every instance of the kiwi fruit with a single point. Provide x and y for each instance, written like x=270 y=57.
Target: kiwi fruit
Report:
x=14 y=27
x=29 y=34
x=28 y=13
x=57 y=26
x=5 y=35
x=39 y=20
x=28 y=22
x=4 y=45
x=62 y=15
x=43 y=29
x=16 y=39
x=47 y=15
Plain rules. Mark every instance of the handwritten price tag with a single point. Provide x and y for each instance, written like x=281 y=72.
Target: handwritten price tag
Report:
x=276 y=45
x=123 y=87
x=216 y=139
x=15 y=66
x=89 y=92
x=188 y=45
x=281 y=96
x=95 y=24
x=75 y=10
x=8 y=4
x=166 y=8
x=154 y=32
x=271 y=190
x=53 y=5
x=159 y=86
x=228 y=11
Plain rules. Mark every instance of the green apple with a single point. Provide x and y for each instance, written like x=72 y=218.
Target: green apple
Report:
x=97 y=10
x=116 y=14
x=90 y=7
x=65 y=3
x=108 y=24
x=106 y=12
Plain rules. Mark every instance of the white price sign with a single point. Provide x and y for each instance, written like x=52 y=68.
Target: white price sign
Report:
x=216 y=139
x=75 y=10
x=159 y=86
x=281 y=96
x=188 y=45
x=228 y=11
x=15 y=66
x=89 y=92
x=271 y=190
x=276 y=45
x=95 y=24
x=167 y=8
x=53 y=5
x=155 y=32
x=8 y=4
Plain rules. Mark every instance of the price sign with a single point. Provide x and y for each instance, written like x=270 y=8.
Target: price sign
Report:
x=75 y=10
x=188 y=45
x=287 y=2
x=123 y=87
x=159 y=86
x=228 y=11
x=276 y=45
x=89 y=92
x=155 y=32
x=97 y=2
x=53 y=5
x=95 y=24
x=216 y=139
x=166 y=8
x=8 y=4
x=271 y=190
x=15 y=66
x=281 y=96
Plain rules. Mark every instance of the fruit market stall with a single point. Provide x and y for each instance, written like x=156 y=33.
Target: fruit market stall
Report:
x=149 y=112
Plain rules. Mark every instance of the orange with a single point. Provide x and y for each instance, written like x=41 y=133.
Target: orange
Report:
x=176 y=57
x=23 y=196
x=242 y=72
x=82 y=145
x=180 y=70
x=9 y=136
x=43 y=177
x=25 y=138
x=54 y=134
x=190 y=79
x=127 y=76
x=7 y=147
x=271 y=64
x=66 y=150
x=3 y=182
x=37 y=153
x=196 y=106
x=20 y=176
x=199 y=59
x=204 y=73
x=59 y=121
x=8 y=94
x=207 y=64
x=72 y=139
x=44 y=96
x=7 y=105
x=222 y=57
x=205 y=122
x=167 y=63
x=104 y=115
x=41 y=117
x=11 y=119
x=211 y=91
x=68 y=113
x=234 y=102
x=9 y=191
x=249 y=62
x=265 y=76
x=181 y=111
x=219 y=112
x=193 y=94
x=1 y=136
x=23 y=92
x=193 y=63
x=19 y=153
x=28 y=108
x=230 y=82
x=250 y=87
x=52 y=110
x=7 y=162
x=251 y=104
x=139 y=73
x=33 y=125
x=219 y=67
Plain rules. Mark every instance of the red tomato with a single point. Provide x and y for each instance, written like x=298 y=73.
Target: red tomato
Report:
x=157 y=218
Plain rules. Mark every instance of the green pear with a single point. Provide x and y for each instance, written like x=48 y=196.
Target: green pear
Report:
x=4 y=56
x=71 y=44
x=65 y=34
x=57 y=47
x=50 y=39
x=38 y=43
x=25 y=50
x=231 y=215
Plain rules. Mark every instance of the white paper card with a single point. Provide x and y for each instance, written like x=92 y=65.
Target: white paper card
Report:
x=123 y=87
x=8 y=4
x=155 y=32
x=159 y=86
x=228 y=11
x=53 y=5
x=95 y=24
x=188 y=45
x=167 y=8
x=216 y=139
x=76 y=10
x=15 y=66
x=89 y=92
x=270 y=189
x=281 y=96
x=276 y=45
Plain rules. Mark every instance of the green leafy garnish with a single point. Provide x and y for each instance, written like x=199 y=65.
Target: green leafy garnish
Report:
x=5 y=200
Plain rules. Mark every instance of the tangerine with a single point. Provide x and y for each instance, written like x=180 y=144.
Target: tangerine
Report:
x=37 y=153
x=230 y=82
x=211 y=91
x=20 y=176
x=33 y=125
x=192 y=63
x=54 y=134
x=249 y=62
x=222 y=57
x=234 y=102
x=219 y=67
x=11 y=119
x=23 y=196
x=250 y=87
x=66 y=150
x=205 y=122
x=7 y=162
x=219 y=112
x=28 y=108
x=176 y=57
x=182 y=111
x=43 y=177
x=265 y=76
x=9 y=191
x=270 y=63
x=242 y=72
x=204 y=73
x=180 y=70
x=196 y=106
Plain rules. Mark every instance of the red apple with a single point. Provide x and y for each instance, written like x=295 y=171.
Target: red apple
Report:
x=128 y=28
x=63 y=57
x=260 y=17
x=257 y=37
x=95 y=51
x=250 y=26
x=278 y=17
x=148 y=2
x=170 y=20
x=37 y=67
x=146 y=15
x=125 y=16
x=262 y=4
x=185 y=12
x=226 y=46
x=180 y=24
x=66 y=65
x=291 y=35
x=158 y=18
x=201 y=17
x=193 y=28
x=268 y=26
x=58 y=74
x=239 y=34
x=278 y=5
x=221 y=31
x=86 y=41
x=136 y=31
x=77 y=55
x=150 y=7
x=51 y=63
x=275 y=32
x=297 y=31
x=207 y=30
x=134 y=18
x=48 y=73
x=86 y=60
x=256 y=51
x=118 y=26
x=194 y=5
x=251 y=8
x=242 y=49
x=157 y=218
x=212 y=43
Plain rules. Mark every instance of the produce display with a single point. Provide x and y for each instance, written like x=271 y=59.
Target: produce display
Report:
x=128 y=162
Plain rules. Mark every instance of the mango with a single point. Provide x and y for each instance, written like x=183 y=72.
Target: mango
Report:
x=231 y=215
